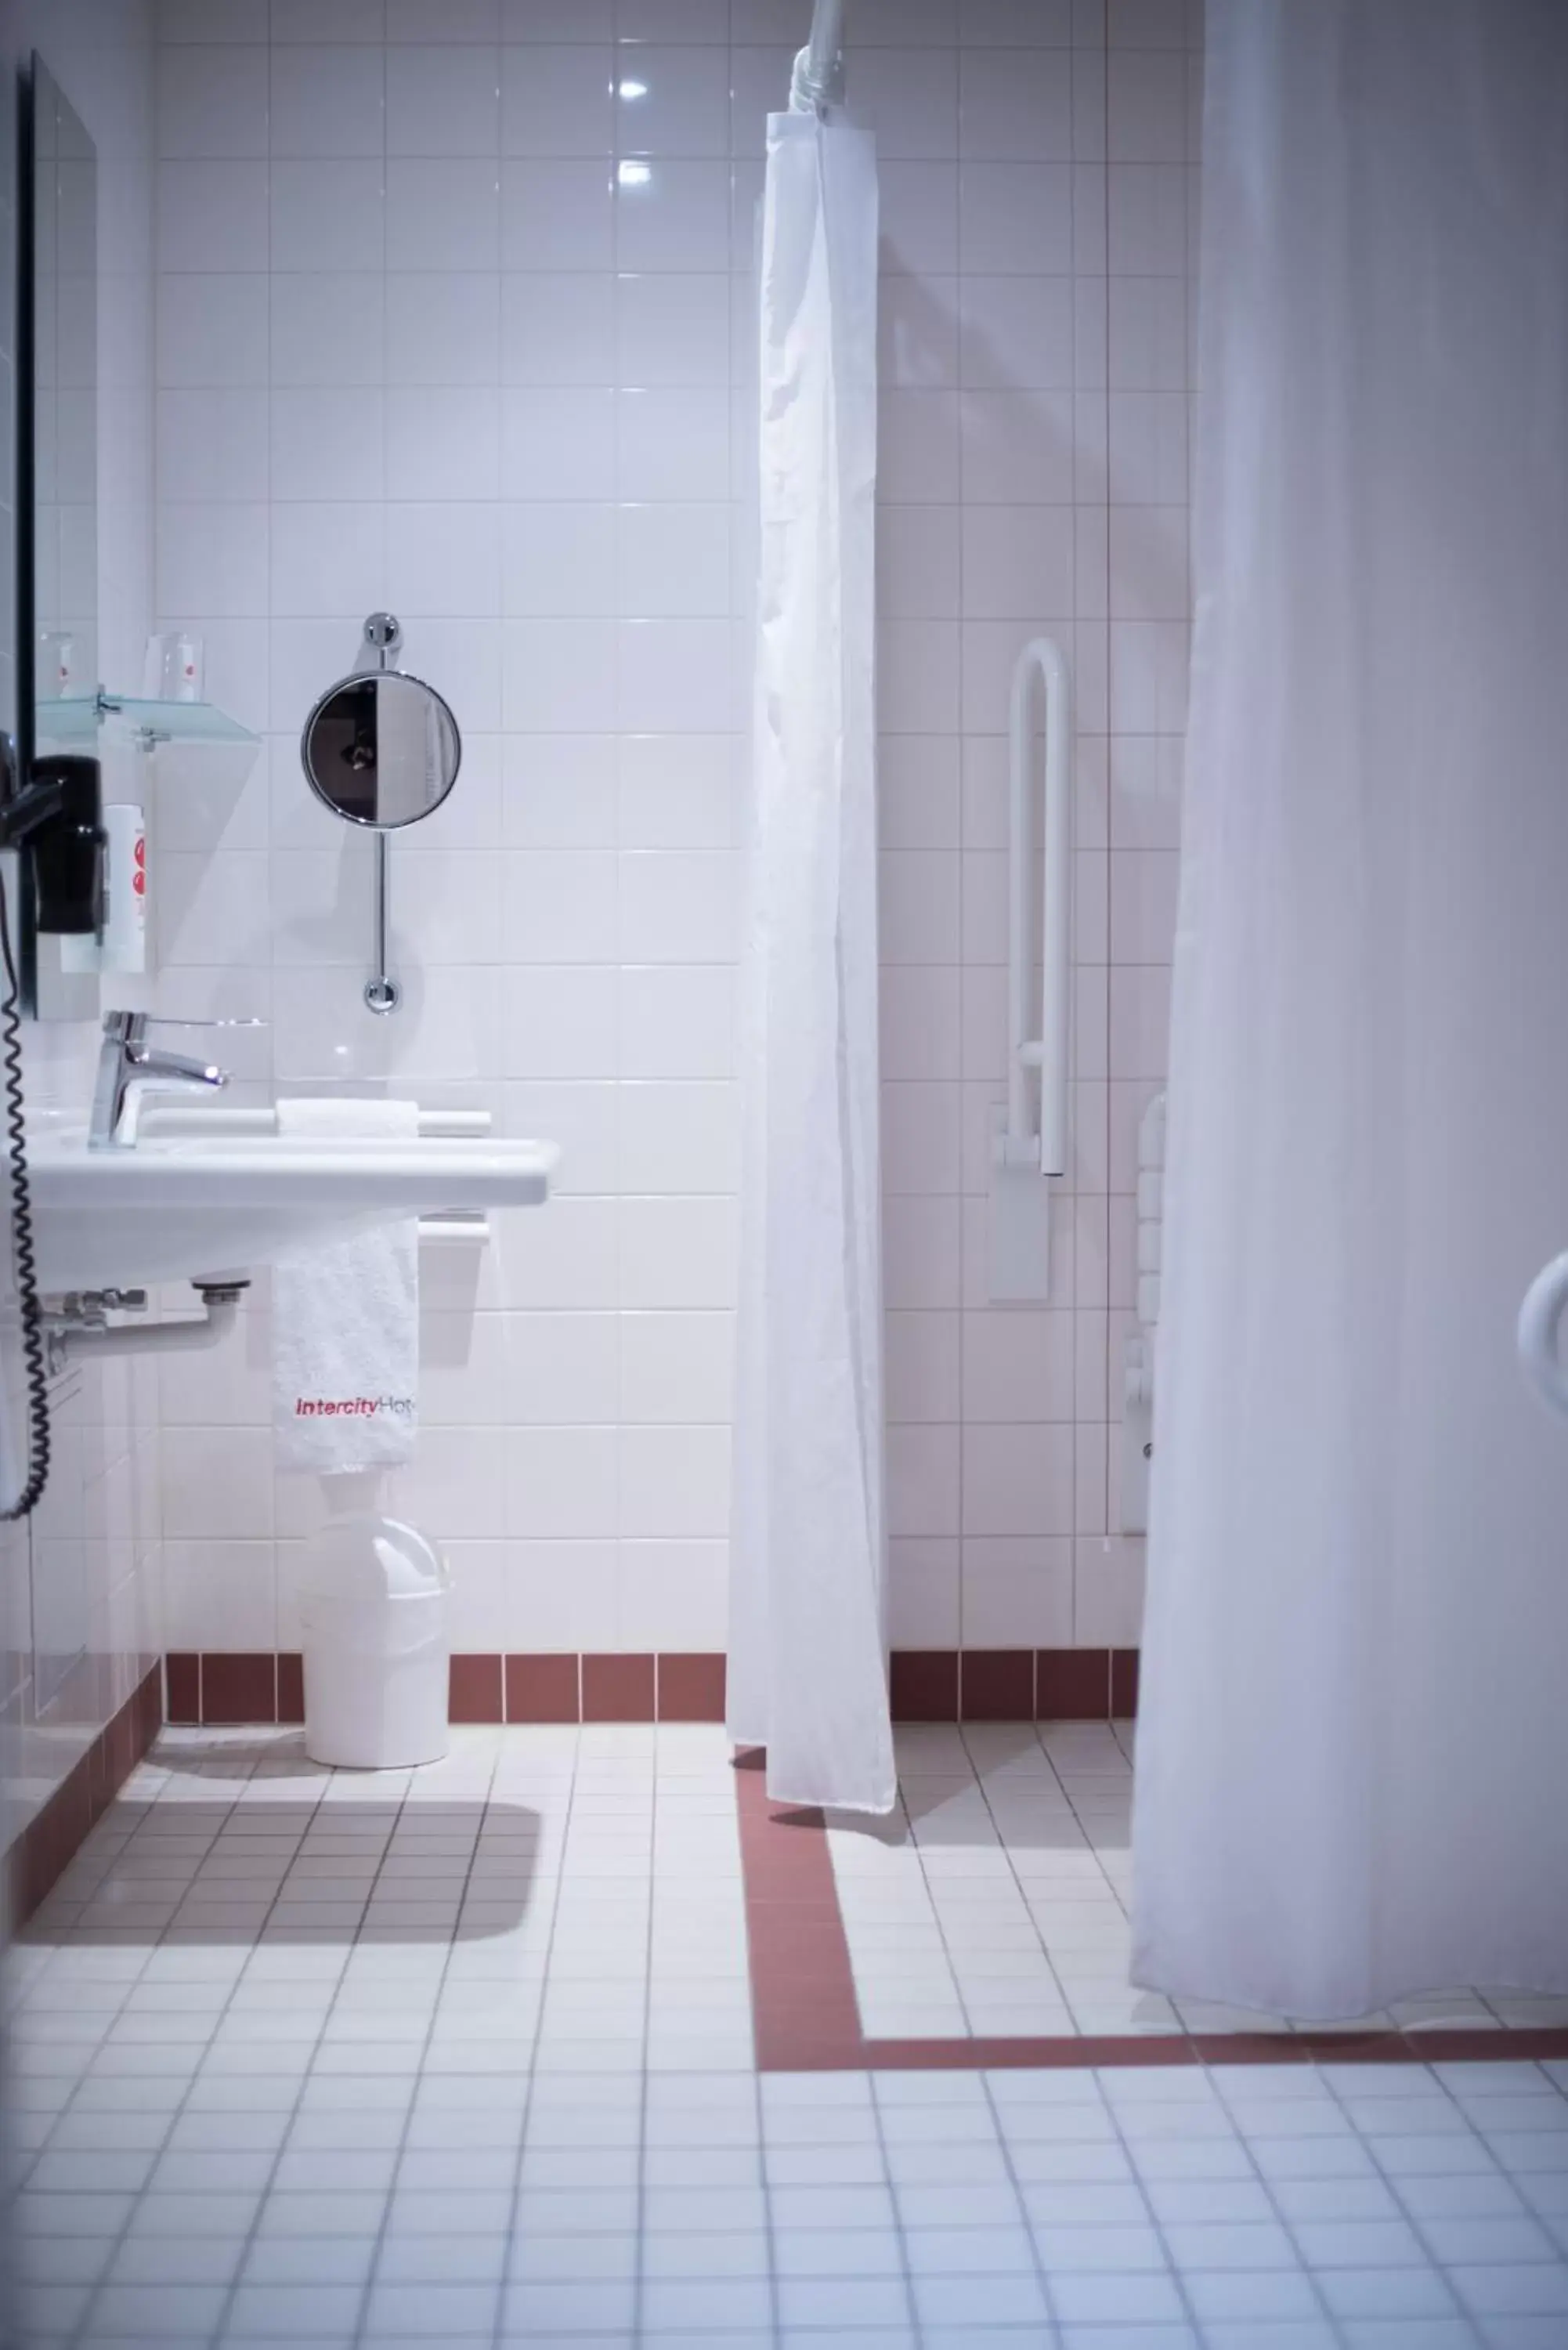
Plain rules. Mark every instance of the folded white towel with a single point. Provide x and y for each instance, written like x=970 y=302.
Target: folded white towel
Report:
x=345 y=1317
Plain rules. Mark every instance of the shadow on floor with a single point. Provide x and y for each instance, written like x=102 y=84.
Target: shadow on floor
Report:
x=352 y=1860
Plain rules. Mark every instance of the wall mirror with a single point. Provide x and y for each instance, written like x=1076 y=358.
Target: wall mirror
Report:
x=56 y=485
x=381 y=749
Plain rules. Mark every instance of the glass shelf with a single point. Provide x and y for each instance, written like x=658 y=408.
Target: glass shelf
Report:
x=77 y=720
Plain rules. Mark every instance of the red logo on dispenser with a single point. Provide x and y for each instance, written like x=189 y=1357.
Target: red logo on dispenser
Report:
x=138 y=862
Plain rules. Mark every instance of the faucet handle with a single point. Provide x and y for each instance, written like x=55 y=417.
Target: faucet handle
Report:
x=126 y=1027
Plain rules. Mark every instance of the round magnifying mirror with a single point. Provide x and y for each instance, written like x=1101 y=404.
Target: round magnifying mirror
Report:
x=381 y=750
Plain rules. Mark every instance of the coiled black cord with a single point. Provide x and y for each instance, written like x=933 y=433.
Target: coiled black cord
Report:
x=22 y=1248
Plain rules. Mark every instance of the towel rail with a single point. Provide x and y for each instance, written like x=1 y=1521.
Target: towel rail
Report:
x=263 y=1119
x=449 y=1125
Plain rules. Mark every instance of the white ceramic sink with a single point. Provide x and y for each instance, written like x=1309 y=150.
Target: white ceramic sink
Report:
x=184 y=1205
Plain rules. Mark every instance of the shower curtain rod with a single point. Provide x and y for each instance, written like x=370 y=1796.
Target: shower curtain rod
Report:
x=818 y=77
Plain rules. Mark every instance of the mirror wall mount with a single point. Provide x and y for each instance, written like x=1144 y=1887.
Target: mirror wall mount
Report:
x=381 y=749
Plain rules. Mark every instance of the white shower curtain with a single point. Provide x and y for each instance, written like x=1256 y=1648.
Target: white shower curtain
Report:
x=1353 y=1760
x=807 y=1667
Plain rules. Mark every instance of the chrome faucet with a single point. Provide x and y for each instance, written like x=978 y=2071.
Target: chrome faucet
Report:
x=127 y=1067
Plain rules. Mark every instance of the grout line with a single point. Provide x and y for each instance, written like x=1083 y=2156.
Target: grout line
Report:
x=1004 y=2141
x=1141 y=2189
x=640 y=2278
x=895 y=2198
x=562 y=1862
x=419 y=2072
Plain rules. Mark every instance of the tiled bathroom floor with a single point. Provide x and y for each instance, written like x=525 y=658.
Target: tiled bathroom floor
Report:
x=994 y=1902
x=466 y=2057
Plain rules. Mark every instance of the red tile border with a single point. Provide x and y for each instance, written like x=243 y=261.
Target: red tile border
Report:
x=477 y=1689
x=618 y=1688
x=1073 y=1685
x=996 y=1684
x=231 y=1687
x=542 y=1688
x=182 y=1681
x=52 y=1837
x=806 y=2017
x=290 y=1687
x=238 y=1688
x=690 y=1688
x=923 y=1684
x=1124 y=1684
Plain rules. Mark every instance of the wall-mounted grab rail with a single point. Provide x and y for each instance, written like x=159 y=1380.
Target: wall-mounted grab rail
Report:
x=1022 y=1145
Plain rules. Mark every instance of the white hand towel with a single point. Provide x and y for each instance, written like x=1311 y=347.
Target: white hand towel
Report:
x=346 y=1328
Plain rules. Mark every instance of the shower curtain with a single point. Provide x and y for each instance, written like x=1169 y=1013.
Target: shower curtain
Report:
x=1354 y=1747
x=807 y=1665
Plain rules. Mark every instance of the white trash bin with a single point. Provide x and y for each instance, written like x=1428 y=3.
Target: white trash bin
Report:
x=373 y=1609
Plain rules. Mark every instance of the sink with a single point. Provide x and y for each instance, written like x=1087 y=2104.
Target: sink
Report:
x=182 y=1205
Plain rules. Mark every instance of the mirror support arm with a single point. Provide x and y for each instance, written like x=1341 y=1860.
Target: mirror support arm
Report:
x=382 y=993
x=383 y=636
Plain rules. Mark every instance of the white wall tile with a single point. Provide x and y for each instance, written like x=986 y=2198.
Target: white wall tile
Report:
x=1015 y=332
x=442 y=101
x=326 y=443
x=673 y=676
x=673 y=560
x=672 y=215
x=675 y=1020
x=561 y=906
x=444 y=212
x=676 y=791
x=325 y=215
x=558 y=213
x=1015 y=104
x=326 y=101
x=443 y=442
x=557 y=101
x=675 y=1368
x=1017 y=1591
x=558 y=676
x=1015 y=219
x=211 y=329
x=328 y=328
x=673 y=100
x=313 y=20
x=674 y=1481
x=559 y=559
x=212 y=442
x=431 y=350
x=212 y=100
x=677 y=906
x=557 y=327
x=212 y=215
x=673 y=1595
x=672 y=444
x=679 y=1136
x=672 y=329
x=676 y=1253
x=557 y=444
x=1017 y=1480
x=559 y=1020
x=443 y=558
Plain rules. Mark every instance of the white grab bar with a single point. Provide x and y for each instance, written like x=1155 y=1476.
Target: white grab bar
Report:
x=1048 y=1051
x=1538 y=1319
